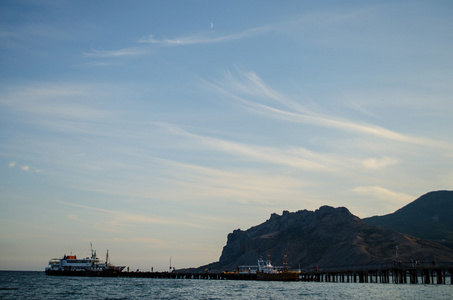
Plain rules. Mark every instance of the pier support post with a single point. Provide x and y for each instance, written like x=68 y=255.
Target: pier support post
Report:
x=426 y=276
x=439 y=276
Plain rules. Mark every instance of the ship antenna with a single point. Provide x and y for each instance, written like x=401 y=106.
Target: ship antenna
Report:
x=91 y=246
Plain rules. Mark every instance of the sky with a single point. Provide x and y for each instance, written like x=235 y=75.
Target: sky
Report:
x=155 y=128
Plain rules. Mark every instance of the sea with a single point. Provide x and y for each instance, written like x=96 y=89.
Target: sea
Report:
x=37 y=285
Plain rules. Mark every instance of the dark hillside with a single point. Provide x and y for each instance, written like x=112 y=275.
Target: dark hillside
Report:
x=326 y=237
x=429 y=217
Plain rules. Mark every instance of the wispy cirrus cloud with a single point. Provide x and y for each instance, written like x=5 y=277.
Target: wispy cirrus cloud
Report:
x=206 y=37
x=183 y=182
x=25 y=168
x=211 y=37
x=130 y=217
x=296 y=157
x=251 y=91
x=378 y=163
x=51 y=100
x=125 y=52
x=395 y=199
x=7 y=34
x=250 y=84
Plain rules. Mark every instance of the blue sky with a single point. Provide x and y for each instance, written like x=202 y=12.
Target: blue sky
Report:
x=155 y=128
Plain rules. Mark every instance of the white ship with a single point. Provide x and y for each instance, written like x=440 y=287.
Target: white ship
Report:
x=70 y=265
x=261 y=267
x=266 y=271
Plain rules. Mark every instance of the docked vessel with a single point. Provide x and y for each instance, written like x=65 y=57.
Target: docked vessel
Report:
x=285 y=275
x=266 y=271
x=70 y=265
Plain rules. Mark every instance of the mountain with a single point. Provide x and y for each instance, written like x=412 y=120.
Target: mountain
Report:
x=326 y=237
x=429 y=217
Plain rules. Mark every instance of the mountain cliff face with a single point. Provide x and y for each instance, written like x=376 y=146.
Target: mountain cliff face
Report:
x=429 y=217
x=326 y=237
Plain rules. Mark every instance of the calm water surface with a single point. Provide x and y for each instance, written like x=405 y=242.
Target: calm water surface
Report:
x=36 y=285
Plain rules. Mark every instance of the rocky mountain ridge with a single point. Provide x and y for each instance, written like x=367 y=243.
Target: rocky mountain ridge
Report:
x=325 y=237
x=429 y=217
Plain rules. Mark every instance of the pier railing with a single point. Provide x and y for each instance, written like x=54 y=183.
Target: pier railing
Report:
x=424 y=273
x=396 y=272
x=379 y=266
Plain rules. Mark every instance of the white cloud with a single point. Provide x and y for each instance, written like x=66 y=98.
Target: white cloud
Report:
x=53 y=100
x=249 y=89
x=149 y=242
x=315 y=20
x=178 y=182
x=296 y=22
x=25 y=168
x=6 y=34
x=296 y=157
x=124 y=217
x=377 y=163
x=393 y=199
x=150 y=39
x=251 y=84
x=206 y=37
x=115 y=53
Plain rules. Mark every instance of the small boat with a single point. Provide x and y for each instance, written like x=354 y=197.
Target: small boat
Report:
x=266 y=271
x=92 y=266
x=285 y=275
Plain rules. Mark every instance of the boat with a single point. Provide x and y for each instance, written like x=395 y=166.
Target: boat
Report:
x=278 y=276
x=264 y=270
x=92 y=266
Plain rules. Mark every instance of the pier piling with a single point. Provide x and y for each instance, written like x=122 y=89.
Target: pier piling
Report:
x=441 y=273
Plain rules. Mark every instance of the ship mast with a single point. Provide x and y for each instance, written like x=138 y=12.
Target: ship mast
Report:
x=285 y=262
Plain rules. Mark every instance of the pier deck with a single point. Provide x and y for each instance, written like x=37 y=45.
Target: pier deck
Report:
x=421 y=274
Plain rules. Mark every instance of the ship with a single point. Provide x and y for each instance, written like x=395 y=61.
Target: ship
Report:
x=92 y=266
x=266 y=271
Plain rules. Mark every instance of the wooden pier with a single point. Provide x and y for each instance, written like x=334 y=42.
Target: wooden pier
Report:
x=177 y=275
x=385 y=273
x=441 y=274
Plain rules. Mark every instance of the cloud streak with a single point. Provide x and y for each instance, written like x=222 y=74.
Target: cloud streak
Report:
x=293 y=157
x=67 y=101
x=394 y=198
x=125 y=52
x=130 y=218
x=379 y=163
x=206 y=38
x=211 y=37
x=25 y=168
x=250 y=90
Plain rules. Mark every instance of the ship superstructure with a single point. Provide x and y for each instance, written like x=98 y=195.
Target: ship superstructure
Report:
x=70 y=265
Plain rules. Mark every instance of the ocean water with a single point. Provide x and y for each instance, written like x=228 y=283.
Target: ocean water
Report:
x=36 y=285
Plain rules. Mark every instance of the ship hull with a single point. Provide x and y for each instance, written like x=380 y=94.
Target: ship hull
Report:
x=285 y=276
x=84 y=273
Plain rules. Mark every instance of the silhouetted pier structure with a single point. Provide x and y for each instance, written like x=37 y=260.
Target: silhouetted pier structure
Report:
x=424 y=273
x=185 y=275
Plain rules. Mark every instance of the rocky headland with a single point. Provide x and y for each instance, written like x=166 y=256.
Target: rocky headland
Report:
x=332 y=236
